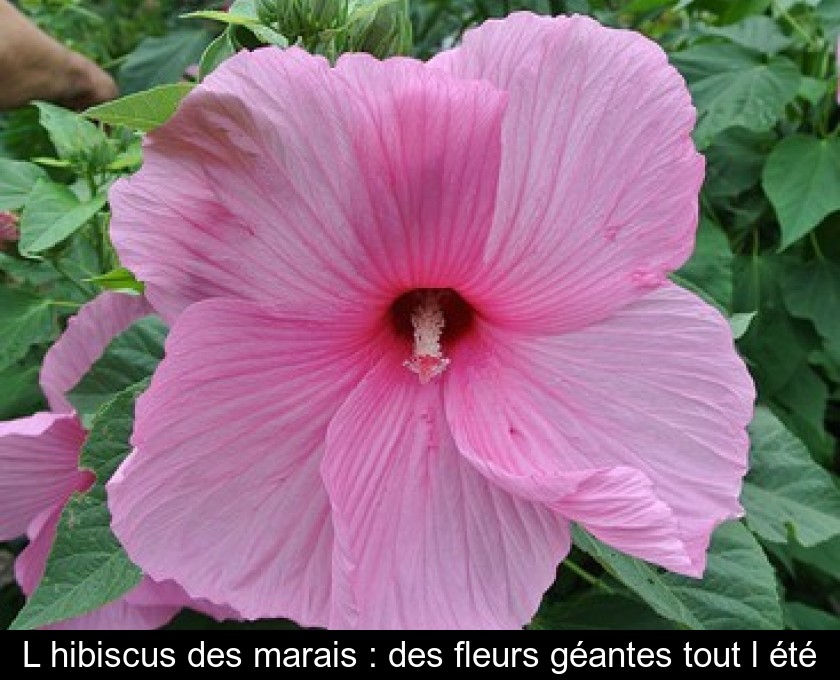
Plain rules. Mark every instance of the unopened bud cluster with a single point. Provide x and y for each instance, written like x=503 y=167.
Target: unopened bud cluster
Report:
x=330 y=27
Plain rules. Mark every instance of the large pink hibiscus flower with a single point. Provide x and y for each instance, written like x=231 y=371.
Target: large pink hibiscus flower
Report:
x=422 y=322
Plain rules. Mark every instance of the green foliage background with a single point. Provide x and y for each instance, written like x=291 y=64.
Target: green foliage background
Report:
x=764 y=80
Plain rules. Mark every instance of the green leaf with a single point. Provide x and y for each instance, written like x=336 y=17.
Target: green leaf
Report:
x=20 y=392
x=734 y=87
x=735 y=11
x=142 y=111
x=222 y=48
x=740 y=323
x=87 y=567
x=800 y=616
x=130 y=159
x=776 y=344
x=828 y=12
x=812 y=291
x=26 y=319
x=597 y=610
x=758 y=33
x=72 y=136
x=824 y=556
x=786 y=493
x=53 y=213
x=642 y=6
x=801 y=180
x=738 y=589
x=16 y=181
x=120 y=279
x=812 y=90
x=801 y=404
x=158 y=61
x=233 y=18
x=129 y=358
x=710 y=266
x=734 y=161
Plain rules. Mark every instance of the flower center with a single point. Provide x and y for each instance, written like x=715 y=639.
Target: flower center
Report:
x=430 y=319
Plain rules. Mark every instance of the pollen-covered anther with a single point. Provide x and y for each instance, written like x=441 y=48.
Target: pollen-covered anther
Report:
x=427 y=359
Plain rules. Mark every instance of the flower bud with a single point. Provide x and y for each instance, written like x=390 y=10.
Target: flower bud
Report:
x=302 y=18
x=8 y=229
x=382 y=29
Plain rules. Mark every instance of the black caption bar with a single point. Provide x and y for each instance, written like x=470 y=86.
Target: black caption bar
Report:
x=530 y=654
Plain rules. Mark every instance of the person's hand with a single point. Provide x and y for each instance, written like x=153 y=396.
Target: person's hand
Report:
x=86 y=84
x=34 y=66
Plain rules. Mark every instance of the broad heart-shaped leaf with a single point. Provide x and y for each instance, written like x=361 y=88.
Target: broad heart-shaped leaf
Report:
x=71 y=135
x=824 y=556
x=142 y=111
x=800 y=616
x=16 y=181
x=776 y=344
x=26 y=319
x=802 y=181
x=738 y=590
x=158 y=61
x=87 y=567
x=786 y=492
x=828 y=12
x=801 y=404
x=758 y=33
x=598 y=610
x=734 y=161
x=730 y=12
x=735 y=87
x=129 y=358
x=710 y=265
x=20 y=393
x=52 y=214
x=812 y=291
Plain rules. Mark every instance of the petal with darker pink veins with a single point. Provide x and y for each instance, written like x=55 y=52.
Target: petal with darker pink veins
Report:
x=422 y=539
x=597 y=198
x=288 y=182
x=222 y=492
x=39 y=462
x=634 y=427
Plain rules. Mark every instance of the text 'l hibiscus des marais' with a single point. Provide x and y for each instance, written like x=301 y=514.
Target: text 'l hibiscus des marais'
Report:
x=317 y=652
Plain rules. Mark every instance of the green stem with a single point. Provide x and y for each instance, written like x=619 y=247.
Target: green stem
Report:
x=815 y=244
x=586 y=576
x=793 y=22
x=64 y=303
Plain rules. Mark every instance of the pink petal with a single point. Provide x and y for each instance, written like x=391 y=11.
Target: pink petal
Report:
x=633 y=427
x=284 y=181
x=598 y=192
x=223 y=495
x=422 y=540
x=38 y=458
x=154 y=593
x=87 y=335
x=118 y=615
